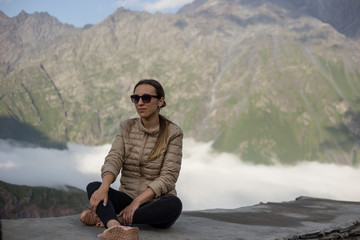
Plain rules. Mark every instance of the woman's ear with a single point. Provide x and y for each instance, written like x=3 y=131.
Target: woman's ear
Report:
x=161 y=102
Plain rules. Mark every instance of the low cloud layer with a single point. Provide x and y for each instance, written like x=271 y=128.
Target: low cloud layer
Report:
x=207 y=180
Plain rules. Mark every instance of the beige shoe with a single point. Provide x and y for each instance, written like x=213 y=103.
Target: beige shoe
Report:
x=121 y=233
x=90 y=218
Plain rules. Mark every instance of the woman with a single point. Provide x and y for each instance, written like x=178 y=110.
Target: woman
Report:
x=148 y=152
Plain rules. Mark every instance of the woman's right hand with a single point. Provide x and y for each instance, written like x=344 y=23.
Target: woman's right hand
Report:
x=99 y=195
x=102 y=193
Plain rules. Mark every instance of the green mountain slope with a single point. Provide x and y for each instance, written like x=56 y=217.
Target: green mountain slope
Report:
x=263 y=79
x=27 y=202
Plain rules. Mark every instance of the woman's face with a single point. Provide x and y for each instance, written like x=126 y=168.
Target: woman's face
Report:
x=151 y=109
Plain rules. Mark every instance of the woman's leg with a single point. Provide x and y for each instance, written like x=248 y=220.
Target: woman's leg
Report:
x=160 y=214
x=117 y=201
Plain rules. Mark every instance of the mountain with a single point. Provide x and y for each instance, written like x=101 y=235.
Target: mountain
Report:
x=26 y=35
x=271 y=81
x=28 y=202
x=342 y=15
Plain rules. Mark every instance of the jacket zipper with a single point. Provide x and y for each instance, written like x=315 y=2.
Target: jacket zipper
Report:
x=142 y=162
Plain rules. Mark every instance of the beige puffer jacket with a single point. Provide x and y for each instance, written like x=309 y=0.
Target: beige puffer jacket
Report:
x=129 y=154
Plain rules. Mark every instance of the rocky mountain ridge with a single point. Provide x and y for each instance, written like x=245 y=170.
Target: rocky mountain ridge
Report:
x=267 y=80
x=339 y=14
x=27 y=35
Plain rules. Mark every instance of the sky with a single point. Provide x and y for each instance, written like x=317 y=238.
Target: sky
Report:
x=82 y=12
x=207 y=179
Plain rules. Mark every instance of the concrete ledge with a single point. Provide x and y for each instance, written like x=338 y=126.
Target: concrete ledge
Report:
x=304 y=218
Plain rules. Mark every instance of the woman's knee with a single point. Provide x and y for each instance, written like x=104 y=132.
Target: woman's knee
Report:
x=176 y=204
x=92 y=187
x=175 y=208
x=179 y=204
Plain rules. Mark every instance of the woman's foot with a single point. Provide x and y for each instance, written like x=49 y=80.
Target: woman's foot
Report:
x=120 y=233
x=90 y=218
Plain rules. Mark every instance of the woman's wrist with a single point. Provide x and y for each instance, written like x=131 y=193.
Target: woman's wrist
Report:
x=106 y=182
x=104 y=188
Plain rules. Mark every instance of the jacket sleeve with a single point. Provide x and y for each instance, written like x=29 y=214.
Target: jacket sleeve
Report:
x=115 y=158
x=171 y=166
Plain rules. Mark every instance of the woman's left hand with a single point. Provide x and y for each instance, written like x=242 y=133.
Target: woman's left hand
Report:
x=127 y=214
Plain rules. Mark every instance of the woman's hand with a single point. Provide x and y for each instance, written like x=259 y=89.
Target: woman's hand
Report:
x=127 y=214
x=99 y=195
x=102 y=193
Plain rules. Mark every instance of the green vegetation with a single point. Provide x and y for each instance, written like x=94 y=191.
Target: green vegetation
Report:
x=24 y=201
x=260 y=135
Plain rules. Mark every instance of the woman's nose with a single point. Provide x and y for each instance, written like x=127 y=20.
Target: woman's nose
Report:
x=140 y=101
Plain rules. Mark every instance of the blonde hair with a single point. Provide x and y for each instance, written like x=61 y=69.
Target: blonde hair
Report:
x=161 y=139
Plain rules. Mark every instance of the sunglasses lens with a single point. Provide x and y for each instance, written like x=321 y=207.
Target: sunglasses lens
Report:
x=135 y=98
x=146 y=98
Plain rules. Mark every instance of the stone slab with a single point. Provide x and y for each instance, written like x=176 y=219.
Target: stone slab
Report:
x=304 y=218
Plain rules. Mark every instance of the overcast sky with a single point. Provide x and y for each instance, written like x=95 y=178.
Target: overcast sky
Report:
x=82 y=12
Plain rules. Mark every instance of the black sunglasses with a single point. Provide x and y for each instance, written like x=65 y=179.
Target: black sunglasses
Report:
x=146 y=98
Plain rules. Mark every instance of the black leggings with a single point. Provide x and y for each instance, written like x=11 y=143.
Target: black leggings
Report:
x=160 y=214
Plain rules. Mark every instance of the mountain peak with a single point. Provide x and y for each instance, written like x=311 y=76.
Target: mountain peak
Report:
x=3 y=16
x=21 y=17
x=22 y=14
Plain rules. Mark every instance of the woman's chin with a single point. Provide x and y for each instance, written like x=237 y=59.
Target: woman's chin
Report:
x=143 y=115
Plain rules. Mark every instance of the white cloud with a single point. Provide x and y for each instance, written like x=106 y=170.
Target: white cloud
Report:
x=207 y=179
x=219 y=180
x=76 y=166
x=163 y=5
x=129 y=3
x=153 y=6
x=7 y=165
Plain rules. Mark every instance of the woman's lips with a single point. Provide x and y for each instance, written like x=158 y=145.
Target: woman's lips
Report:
x=141 y=109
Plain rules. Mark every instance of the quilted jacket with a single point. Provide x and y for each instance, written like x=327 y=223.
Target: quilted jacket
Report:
x=129 y=153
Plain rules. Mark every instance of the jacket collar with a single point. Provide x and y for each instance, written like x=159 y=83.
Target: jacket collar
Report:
x=145 y=130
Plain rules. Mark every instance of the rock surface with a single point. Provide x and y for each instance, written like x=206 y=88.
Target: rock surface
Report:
x=304 y=218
